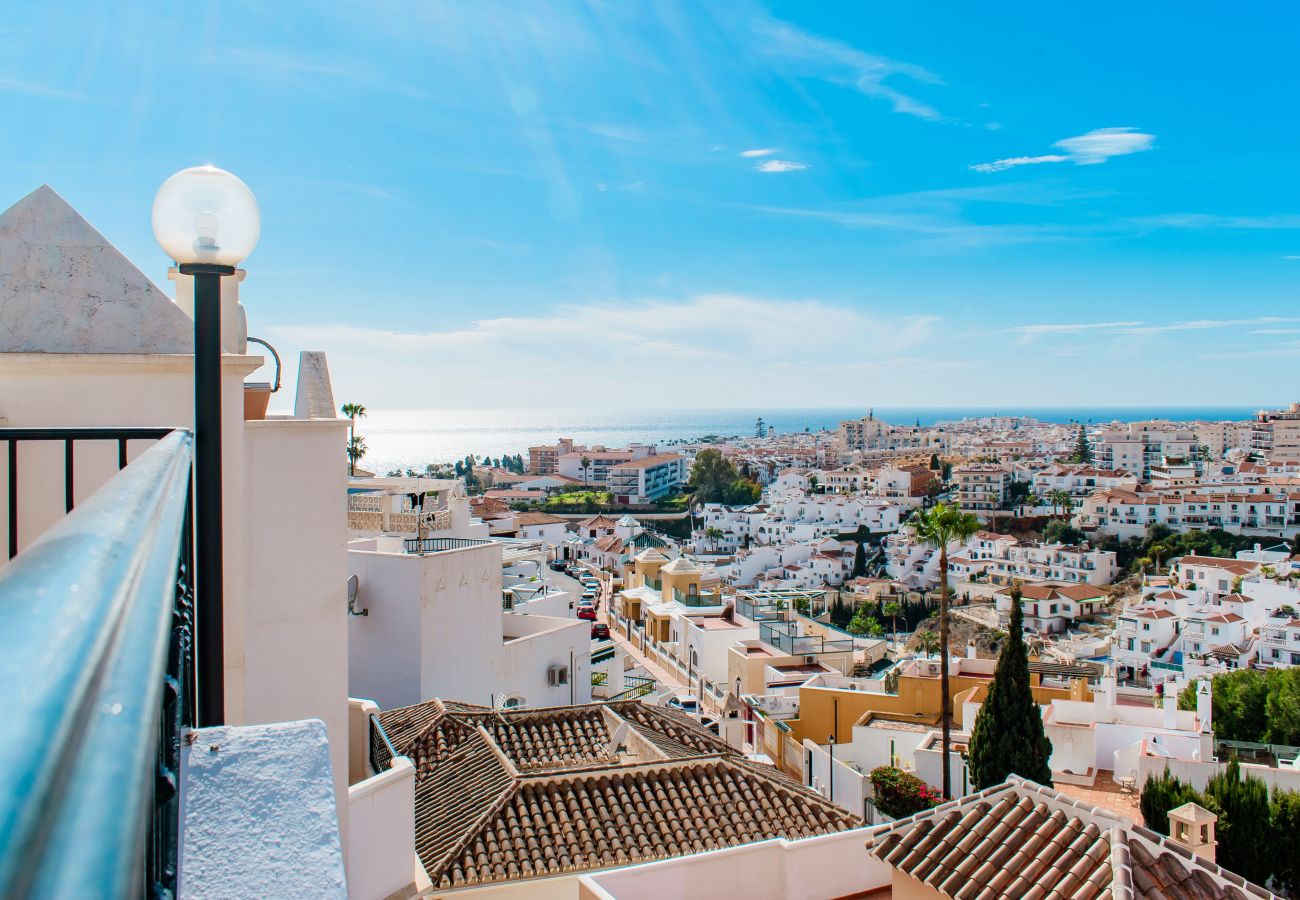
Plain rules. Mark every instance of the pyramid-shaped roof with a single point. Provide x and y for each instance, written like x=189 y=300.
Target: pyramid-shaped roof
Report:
x=65 y=289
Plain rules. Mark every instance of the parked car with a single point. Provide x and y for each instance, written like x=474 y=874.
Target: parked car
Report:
x=599 y=631
x=557 y=565
x=587 y=612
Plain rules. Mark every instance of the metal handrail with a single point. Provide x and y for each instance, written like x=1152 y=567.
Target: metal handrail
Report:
x=438 y=545
x=382 y=752
x=95 y=619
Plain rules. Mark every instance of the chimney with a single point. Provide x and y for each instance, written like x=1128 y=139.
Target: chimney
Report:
x=1107 y=696
x=1171 y=707
x=1204 y=704
x=1192 y=826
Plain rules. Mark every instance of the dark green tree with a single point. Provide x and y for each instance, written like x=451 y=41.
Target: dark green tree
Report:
x=1008 y=738
x=1082 y=449
x=1163 y=793
x=1243 y=839
x=860 y=561
x=1285 y=821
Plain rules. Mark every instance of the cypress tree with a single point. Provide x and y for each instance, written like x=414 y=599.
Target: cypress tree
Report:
x=860 y=562
x=1008 y=737
x=1243 y=828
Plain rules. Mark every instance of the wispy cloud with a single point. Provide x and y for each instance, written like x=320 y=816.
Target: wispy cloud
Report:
x=1216 y=221
x=841 y=63
x=18 y=86
x=1072 y=327
x=304 y=69
x=780 y=165
x=765 y=151
x=527 y=370
x=1089 y=149
x=1149 y=328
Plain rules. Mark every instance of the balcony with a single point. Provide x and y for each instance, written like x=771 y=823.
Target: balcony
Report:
x=97 y=619
x=422 y=546
x=687 y=598
x=784 y=636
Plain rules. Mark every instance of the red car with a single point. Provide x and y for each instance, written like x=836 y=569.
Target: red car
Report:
x=599 y=631
x=587 y=612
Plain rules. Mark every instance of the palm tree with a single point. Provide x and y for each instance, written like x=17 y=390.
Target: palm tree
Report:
x=939 y=526
x=356 y=450
x=584 y=464
x=893 y=610
x=1060 y=499
x=711 y=535
x=354 y=411
x=927 y=642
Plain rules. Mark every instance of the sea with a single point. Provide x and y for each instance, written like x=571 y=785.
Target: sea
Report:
x=412 y=438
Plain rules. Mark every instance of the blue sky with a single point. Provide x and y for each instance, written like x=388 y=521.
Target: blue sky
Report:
x=657 y=204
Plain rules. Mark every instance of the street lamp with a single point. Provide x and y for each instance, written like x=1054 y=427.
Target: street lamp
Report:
x=830 y=749
x=207 y=221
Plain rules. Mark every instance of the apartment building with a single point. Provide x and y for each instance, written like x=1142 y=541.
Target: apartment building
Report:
x=545 y=459
x=867 y=433
x=1218 y=438
x=599 y=462
x=1277 y=432
x=1080 y=480
x=648 y=478
x=982 y=486
x=907 y=486
x=1237 y=508
x=1136 y=446
x=1052 y=607
x=1001 y=559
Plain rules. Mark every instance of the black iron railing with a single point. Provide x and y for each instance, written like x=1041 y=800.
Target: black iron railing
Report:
x=69 y=437
x=96 y=621
x=381 y=748
x=438 y=545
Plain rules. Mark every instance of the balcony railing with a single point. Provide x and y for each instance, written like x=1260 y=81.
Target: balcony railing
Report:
x=96 y=637
x=381 y=748
x=783 y=638
x=438 y=545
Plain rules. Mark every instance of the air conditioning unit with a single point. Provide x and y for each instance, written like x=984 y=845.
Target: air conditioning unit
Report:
x=557 y=675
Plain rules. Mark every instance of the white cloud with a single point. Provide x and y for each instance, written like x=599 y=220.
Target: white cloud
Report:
x=630 y=353
x=780 y=165
x=1089 y=149
x=764 y=151
x=1101 y=144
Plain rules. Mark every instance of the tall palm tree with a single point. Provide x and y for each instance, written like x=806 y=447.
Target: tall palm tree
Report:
x=584 y=464
x=356 y=450
x=893 y=610
x=711 y=534
x=354 y=411
x=1060 y=500
x=939 y=526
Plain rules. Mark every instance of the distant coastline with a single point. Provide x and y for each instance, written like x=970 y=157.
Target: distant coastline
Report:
x=400 y=439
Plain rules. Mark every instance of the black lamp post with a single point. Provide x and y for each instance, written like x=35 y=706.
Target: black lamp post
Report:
x=830 y=769
x=207 y=220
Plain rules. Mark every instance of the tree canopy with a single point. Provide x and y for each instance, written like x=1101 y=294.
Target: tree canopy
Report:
x=716 y=480
x=1250 y=705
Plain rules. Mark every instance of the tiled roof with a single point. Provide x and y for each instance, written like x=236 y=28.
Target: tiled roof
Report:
x=511 y=794
x=538 y=518
x=1021 y=840
x=1049 y=591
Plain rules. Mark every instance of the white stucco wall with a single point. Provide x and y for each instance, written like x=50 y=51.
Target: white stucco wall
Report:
x=258 y=815
x=381 y=826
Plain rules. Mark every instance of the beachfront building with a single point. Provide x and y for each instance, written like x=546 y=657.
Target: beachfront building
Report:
x=1276 y=433
x=545 y=459
x=647 y=478
x=599 y=460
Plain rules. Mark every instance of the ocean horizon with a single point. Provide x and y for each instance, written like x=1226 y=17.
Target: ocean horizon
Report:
x=411 y=438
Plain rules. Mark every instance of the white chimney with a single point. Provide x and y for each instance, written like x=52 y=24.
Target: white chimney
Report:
x=1204 y=704
x=1171 y=707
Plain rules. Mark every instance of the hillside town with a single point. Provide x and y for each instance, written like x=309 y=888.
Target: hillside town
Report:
x=987 y=657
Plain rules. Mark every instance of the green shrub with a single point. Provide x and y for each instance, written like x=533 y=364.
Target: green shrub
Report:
x=899 y=793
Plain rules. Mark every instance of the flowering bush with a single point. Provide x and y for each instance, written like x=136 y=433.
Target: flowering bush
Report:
x=900 y=793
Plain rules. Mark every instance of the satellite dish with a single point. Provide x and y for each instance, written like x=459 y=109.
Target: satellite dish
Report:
x=354 y=589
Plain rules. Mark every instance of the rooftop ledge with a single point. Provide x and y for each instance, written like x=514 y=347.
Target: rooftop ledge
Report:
x=24 y=363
